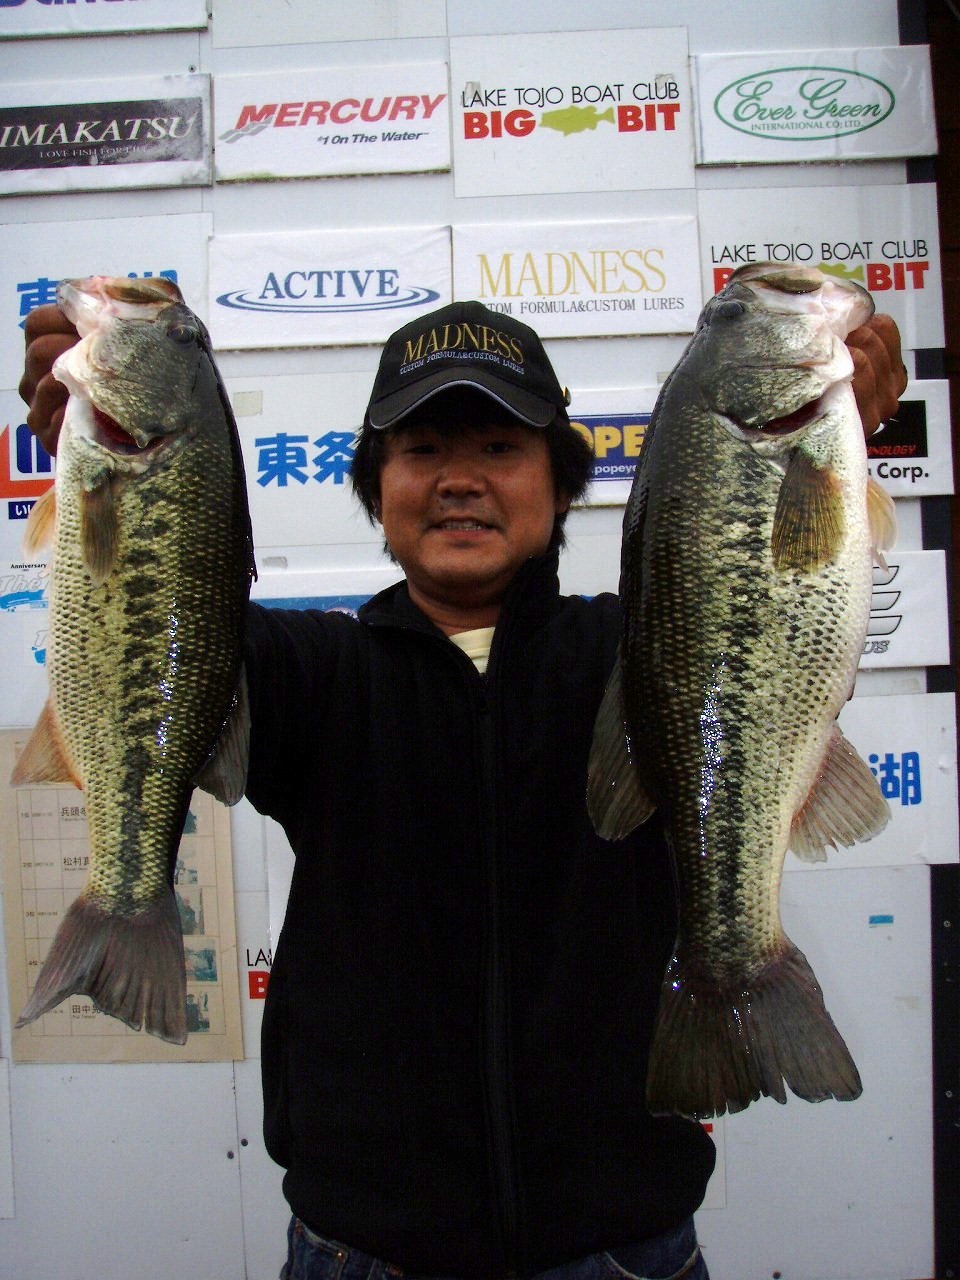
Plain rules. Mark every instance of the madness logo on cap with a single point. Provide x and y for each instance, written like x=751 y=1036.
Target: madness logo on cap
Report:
x=462 y=341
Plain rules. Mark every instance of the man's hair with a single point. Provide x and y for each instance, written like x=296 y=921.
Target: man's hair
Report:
x=571 y=457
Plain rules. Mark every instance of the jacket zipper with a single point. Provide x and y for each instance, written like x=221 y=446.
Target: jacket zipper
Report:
x=494 y=1029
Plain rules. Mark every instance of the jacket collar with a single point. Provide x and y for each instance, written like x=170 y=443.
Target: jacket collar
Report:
x=533 y=592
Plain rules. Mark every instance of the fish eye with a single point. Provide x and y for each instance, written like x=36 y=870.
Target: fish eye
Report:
x=182 y=333
x=729 y=309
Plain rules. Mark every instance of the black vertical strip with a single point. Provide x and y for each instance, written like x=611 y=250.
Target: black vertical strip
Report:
x=944 y=880
x=945 y=948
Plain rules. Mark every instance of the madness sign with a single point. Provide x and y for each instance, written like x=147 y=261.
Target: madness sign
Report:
x=571 y=111
x=572 y=278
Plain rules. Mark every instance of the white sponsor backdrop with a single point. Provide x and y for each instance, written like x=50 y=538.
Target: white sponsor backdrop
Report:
x=180 y=1146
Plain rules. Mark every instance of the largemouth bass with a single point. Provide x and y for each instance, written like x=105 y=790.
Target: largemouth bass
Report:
x=150 y=574
x=746 y=579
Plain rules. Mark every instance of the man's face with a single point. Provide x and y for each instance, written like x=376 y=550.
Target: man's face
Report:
x=462 y=509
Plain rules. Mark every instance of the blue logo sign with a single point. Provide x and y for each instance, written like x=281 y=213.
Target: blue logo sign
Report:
x=319 y=291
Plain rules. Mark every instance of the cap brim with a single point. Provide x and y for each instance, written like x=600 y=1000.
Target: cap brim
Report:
x=531 y=409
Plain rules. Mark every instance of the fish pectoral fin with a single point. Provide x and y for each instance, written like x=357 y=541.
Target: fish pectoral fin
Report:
x=844 y=804
x=98 y=530
x=225 y=774
x=44 y=758
x=38 y=535
x=809 y=521
x=882 y=514
x=616 y=798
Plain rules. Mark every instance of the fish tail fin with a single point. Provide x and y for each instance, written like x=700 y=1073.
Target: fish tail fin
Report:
x=130 y=966
x=718 y=1049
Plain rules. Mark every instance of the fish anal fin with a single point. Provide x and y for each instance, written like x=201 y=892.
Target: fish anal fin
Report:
x=225 y=774
x=717 y=1048
x=41 y=522
x=844 y=806
x=44 y=757
x=131 y=966
x=882 y=515
x=616 y=798
x=98 y=530
x=809 y=521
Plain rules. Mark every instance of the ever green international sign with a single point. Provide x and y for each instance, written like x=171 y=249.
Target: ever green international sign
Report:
x=810 y=105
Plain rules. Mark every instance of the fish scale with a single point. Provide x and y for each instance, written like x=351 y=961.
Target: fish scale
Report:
x=150 y=575
x=745 y=592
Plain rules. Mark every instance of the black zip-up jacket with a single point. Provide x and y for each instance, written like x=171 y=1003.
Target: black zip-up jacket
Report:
x=456 y=1030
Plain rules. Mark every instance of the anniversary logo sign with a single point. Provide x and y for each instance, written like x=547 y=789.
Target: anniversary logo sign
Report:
x=803 y=105
x=572 y=111
x=333 y=120
x=886 y=238
x=71 y=136
x=569 y=279
x=324 y=288
x=87 y=17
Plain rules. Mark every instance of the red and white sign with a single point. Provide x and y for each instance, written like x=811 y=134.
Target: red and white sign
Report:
x=885 y=238
x=571 y=111
x=332 y=120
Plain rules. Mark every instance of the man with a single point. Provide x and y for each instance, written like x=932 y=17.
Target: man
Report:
x=458 y=1020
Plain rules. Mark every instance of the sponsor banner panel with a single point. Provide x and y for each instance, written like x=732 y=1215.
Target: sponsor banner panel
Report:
x=885 y=238
x=571 y=111
x=87 y=17
x=240 y=24
x=26 y=473
x=824 y=104
x=24 y=620
x=911 y=455
x=332 y=120
x=297 y=434
x=324 y=288
x=35 y=255
x=909 y=742
x=613 y=422
x=83 y=135
x=908 y=612
x=568 y=279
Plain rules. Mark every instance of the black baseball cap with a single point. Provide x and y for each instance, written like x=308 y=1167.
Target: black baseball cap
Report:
x=466 y=344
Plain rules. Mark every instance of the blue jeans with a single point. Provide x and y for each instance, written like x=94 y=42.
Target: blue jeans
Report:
x=668 y=1257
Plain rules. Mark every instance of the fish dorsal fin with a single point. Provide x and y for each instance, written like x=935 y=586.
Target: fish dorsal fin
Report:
x=809 y=522
x=616 y=799
x=882 y=515
x=99 y=530
x=44 y=757
x=844 y=804
x=41 y=522
x=225 y=774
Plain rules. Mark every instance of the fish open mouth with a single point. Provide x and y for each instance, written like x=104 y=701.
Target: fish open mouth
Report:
x=795 y=421
x=109 y=433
